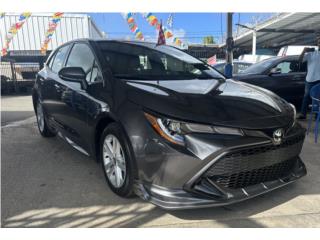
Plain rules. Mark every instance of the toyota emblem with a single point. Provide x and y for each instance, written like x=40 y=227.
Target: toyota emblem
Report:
x=277 y=136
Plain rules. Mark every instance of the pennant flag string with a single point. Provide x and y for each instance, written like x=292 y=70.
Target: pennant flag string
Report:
x=133 y=26
x=56 y=18
x=153 y=21
x=170 y=20
x=13 y=31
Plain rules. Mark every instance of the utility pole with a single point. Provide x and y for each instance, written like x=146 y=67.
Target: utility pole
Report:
x=254 y=38
x=229 y=44
x=254 y=43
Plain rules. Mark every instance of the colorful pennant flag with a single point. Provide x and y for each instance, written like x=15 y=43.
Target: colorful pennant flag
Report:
x=212 y=60
x=161 y=37
x=50 y=31
x=153 y=21
x=133 y=26
x=13 y=31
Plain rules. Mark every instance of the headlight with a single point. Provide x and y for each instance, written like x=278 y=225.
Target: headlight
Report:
x=174 y=131
x=294 y=110
x=294 y=113
x=170 y=130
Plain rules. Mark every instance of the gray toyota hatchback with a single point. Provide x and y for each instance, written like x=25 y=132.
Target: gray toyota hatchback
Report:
x=166 y=126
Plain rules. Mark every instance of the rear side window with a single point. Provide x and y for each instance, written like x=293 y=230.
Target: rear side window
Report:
x=50 y=59
x=303 y=67
x=82 y=56
x=57 y=61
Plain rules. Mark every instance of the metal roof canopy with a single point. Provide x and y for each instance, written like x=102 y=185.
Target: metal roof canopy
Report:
x=284 y=29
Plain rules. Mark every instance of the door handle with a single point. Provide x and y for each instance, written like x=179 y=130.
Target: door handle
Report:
x=295 y=78
x=58 y=87
x=41 y=80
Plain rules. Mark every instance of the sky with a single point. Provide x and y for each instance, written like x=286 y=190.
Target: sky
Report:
x=189 y=27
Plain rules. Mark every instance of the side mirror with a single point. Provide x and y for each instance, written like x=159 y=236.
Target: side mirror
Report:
x=74 y=74
x=275 y=71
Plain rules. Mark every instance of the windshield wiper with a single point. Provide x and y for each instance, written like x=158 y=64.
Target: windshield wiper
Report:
x=164 y=77
x=129 y=76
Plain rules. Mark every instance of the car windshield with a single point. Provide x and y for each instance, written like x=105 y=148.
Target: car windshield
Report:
x=134 y=61
x=259 y=67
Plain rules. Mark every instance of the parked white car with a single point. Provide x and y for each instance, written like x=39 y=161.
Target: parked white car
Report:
x=293 y=50
x=253 y=58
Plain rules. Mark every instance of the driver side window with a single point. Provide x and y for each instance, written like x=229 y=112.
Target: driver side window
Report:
x=284 y=67
x=289 y=67
x=56 y=62
x=82 y=56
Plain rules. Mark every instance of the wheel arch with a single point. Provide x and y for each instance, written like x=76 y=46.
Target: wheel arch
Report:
x=102 y=123
x=35 y=97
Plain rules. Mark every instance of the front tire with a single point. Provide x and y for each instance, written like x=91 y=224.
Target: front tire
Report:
x=44 y=129
x=117 y=163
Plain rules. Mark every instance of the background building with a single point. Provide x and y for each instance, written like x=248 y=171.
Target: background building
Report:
x=24 y=59
x=32 y=34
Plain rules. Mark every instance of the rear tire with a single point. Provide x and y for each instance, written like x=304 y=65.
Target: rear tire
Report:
x=44 y=129
x=116 y=160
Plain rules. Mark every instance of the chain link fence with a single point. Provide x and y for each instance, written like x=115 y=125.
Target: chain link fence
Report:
x=17 y=77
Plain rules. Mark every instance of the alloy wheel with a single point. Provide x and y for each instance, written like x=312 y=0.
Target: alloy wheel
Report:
x=114 y=161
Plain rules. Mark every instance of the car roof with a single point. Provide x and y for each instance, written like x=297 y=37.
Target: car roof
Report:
x=133 y=42
x=291 y=57
x=234 y=61
x=276 y=59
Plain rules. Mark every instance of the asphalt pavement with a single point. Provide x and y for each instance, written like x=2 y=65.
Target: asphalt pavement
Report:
x=15 y=108
x=46 y=183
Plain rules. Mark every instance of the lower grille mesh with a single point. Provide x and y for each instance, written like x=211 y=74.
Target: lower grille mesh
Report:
x=255 y=176
x=254 y=165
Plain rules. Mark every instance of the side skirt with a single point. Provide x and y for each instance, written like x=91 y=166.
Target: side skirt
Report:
x=73 y=144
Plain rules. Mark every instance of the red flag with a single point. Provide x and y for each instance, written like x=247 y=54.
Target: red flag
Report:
x=212 y=60
x=161 y=37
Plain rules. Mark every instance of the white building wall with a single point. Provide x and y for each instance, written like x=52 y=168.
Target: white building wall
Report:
x=32 y=34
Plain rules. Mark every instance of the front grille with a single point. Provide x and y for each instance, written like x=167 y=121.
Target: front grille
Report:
x=255 y=176
x=254 y=165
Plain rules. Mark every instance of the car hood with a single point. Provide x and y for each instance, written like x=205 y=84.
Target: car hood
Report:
x=230 y=103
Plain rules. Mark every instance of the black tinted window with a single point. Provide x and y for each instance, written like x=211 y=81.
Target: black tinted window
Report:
x=82 y=56
x=303 y=67
x=94 y=74
x=50 y=60
x=57 y=61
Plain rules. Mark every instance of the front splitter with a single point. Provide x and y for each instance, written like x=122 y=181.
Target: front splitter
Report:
x=174 y=199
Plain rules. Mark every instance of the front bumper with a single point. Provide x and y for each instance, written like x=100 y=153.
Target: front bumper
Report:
x=172 y=177
x=180 y=199
x=224 y=175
